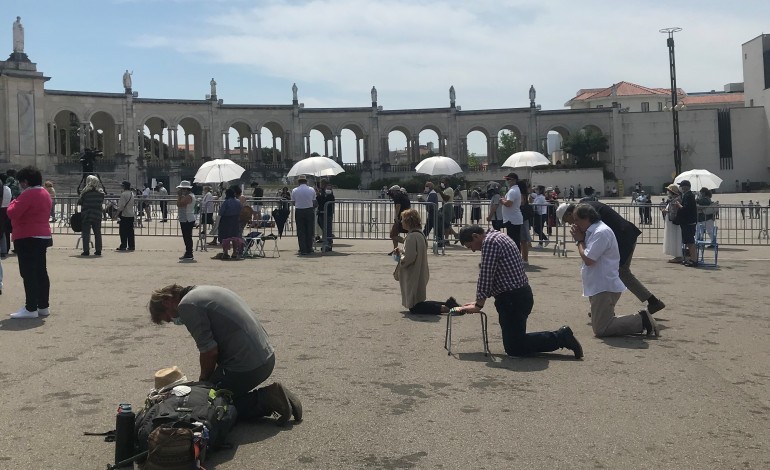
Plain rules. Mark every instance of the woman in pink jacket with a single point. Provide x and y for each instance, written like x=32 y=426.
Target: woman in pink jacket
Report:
x=29 y=214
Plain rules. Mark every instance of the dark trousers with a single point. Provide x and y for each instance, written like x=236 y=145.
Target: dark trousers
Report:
x=187 y=230
x=539 y=220
x=514 y=231
x=513 y=308
x=32 y=268
x=243 y=385
x=429 y=222
x=304 y=220
x=126 y=231
x=497 y=224
x=164 y=210
x=88 y=227
x=326 y=224
x=427 y=307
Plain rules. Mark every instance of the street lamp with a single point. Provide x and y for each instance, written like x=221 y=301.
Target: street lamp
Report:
x=675 y=107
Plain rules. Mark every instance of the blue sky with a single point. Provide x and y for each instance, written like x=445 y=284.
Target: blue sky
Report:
x=412 y=51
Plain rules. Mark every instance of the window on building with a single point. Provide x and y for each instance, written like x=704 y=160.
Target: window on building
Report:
x=751 y=103
x=645 y=107
x=660 y=106
x=599 y=105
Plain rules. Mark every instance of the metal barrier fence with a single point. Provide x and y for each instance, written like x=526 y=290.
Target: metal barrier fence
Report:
x=373 y=219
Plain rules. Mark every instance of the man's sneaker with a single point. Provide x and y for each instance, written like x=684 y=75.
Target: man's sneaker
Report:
x=24 y=313
x=566 y=339
x=43 y=312
x=650 y=325
x=654 y=306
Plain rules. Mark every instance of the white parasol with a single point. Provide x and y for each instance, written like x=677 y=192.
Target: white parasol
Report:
x=699 y=179
x=527 y=159
x=316 y=166
x=220 y=170
x=438 y=165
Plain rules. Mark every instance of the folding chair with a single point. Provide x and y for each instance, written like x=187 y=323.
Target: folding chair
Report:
x=448 y=335
x=255 y=246
x=703 y=240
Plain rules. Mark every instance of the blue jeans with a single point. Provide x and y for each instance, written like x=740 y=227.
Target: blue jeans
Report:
x=513 y=308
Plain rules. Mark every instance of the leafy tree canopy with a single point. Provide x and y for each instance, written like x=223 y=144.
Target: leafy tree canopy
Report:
x=583 y=144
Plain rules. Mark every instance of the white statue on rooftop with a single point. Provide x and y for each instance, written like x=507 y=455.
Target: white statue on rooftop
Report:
x=213 y=84
x=294 y=92
x=18 y=36
x=127 y=79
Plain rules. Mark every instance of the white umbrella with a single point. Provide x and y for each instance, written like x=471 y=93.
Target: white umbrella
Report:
x=316 y=166
x=699 y=179
x=220 y=170
x=438 y=165
x=527 y=158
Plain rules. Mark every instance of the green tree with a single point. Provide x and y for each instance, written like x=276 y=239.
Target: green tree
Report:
x=267 y=155
x=473 y=162
x=509 y=144
x=583 y=144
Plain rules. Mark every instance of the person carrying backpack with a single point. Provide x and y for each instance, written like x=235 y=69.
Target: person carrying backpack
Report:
x=235 y=353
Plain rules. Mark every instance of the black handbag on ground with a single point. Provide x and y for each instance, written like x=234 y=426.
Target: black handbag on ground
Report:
x=76 y=222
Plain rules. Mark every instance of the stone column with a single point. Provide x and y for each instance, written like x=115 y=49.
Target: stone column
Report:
x=152 y=146
x=258 y=145
x=338 y=153
x=286 y=146
x=119 y=140
x=83 y=136
x=385 y=149
x=275 y=157
x=464 y=150
x=227 y=145
x=204 y=152
x=358 y=151
x=416 y=149
x=307 y=146
x=51 y=138
x=174 y=151
x=441 y=145
x=493 y=150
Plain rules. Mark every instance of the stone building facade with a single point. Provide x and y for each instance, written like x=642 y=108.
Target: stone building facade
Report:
x=49 y=128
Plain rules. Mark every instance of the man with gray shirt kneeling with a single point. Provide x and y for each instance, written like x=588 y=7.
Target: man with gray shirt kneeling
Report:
x=235 y=353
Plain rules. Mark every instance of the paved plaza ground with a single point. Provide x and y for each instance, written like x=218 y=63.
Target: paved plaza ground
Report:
x=379 y=389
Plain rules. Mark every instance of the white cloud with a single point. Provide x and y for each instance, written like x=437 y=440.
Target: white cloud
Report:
x=491 y=51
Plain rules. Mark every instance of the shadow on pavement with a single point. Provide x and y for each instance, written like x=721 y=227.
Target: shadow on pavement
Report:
x=627 y=342
x=421 y=318
x=21 y=324
x=246 y=433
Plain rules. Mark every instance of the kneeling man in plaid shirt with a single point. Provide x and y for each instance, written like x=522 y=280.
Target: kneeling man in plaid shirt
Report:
x=502 y=276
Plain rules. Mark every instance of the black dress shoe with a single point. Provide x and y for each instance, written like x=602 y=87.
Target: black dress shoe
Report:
x=566 y=339
x=120 y=249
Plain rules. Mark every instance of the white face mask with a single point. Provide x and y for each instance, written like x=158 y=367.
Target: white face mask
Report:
x=443 y=186
x=328 y=191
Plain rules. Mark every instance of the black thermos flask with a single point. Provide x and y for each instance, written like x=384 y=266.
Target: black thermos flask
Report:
x=124 y=434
